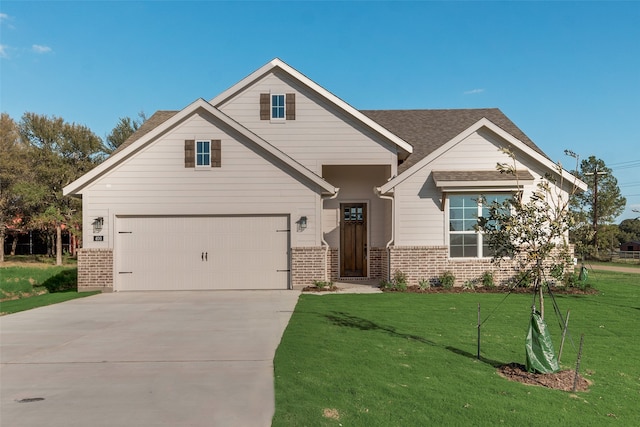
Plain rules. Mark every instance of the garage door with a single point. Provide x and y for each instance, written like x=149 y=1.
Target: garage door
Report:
x=188 y=253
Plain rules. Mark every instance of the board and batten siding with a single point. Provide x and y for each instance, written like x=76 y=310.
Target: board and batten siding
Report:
x=156 y=182
x=420 y=220
x=318 y=136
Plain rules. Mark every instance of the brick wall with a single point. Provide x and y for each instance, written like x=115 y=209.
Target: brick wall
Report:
x=378 y=263
x=307 y=266
x=95 y=270
x=429 y=262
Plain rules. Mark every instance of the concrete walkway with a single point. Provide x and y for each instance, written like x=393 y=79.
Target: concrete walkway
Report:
x=144 y=359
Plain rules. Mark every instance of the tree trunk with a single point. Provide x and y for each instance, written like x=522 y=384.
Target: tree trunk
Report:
x=2 y=234
x=58 y=244
x=14 y=244
x=72 y=245
x=541 y=296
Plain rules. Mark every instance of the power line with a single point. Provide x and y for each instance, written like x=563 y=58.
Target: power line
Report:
x=624 y=163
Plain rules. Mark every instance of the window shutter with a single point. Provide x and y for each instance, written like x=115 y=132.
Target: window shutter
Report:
x=291 y=106
x=189 y=153
x=265 y=106
x=216 y=153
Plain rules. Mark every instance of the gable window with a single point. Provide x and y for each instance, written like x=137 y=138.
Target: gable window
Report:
x=464 y=210
x=277 y=106
x=203 y=153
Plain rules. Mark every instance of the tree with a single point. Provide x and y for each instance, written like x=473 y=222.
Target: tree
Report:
x=125 y=127
x=600 y=204
x=13 y=172
x=532 y=231
x=59 y=152
x=629 y=230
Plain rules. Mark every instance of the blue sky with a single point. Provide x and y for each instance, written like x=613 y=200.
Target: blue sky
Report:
x=567 y=73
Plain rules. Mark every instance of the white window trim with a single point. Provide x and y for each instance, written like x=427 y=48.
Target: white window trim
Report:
x=282 y=119
x=480 y=234
x=202 y=167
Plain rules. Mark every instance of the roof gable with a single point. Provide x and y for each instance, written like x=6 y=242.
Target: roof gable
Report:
x=277 y=64
x=428 y=130
x=166 y=122
x=438 y=149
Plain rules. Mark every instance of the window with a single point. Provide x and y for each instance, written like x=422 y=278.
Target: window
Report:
x=203 y=153
x=464 y=240
x=277 y=107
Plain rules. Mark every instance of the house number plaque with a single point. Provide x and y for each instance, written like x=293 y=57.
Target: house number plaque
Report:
x=98 y=238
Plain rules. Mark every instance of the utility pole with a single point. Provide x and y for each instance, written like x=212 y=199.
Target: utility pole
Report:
x=595 y=174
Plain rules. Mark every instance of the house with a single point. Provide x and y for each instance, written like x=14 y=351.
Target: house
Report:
x=276 y=182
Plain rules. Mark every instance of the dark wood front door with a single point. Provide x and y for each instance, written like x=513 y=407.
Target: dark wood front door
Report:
x=353 y=240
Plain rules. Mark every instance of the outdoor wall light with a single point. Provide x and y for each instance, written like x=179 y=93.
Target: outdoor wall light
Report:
x=302 y=223
x=97 y=224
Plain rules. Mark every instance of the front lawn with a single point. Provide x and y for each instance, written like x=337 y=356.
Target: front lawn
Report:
x=26 y=285
x=410 y=359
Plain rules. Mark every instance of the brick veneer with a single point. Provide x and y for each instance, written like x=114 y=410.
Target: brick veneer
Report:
x=95 y=270
x=307 y=265
x=429 y=262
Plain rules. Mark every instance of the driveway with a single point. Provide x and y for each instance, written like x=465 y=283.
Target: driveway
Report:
x=144 y=359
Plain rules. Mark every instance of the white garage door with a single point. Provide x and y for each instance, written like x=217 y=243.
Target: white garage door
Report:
x=185 y=253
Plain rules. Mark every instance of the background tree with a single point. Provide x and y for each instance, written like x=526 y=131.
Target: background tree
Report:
x=125 y=127
x=58 y=153
x=600 y=204
x=13 y=172
x=629 y=230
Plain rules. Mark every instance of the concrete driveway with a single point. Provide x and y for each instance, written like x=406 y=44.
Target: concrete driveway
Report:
x=144 y=359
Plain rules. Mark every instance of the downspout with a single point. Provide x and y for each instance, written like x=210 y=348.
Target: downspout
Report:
x=324 y=242
x=376 y=190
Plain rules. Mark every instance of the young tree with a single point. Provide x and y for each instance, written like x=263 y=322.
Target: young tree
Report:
x=532 y=232
x=600 y=204
x=125 y=127
x=59 y=152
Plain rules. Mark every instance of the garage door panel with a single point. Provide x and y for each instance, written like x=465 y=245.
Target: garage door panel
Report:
x=179 y=253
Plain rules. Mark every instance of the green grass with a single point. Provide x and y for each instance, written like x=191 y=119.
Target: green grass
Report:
x=14 y=306
x=409 y=359
x=28 y=285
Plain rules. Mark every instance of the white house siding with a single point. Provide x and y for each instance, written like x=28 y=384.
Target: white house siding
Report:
x=155 y=182
x=318 y=136
x=420 y=220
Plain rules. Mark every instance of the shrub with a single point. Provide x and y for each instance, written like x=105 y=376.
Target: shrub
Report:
x=400 y=280
x=447 y=280
x=487 y=280
x=469 y=284
x=424 y=284
x=386 y=284
x=522 y=279
x=66 y=280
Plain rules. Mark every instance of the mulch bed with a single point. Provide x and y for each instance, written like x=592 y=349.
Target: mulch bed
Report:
x=317 y=289
x=562 y=380
x=482 y=290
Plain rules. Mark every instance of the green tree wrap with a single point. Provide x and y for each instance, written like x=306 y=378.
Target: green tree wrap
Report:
x=541 y=357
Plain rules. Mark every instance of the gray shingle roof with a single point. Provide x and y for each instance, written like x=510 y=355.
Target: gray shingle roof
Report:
x=425 y=130
x=150 y=124
x=478 y=176
x=428 y=130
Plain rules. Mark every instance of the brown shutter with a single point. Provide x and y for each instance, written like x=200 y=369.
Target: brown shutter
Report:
x=265 y=106
x=216 y=153
x=189 y=153
x=291 y=106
